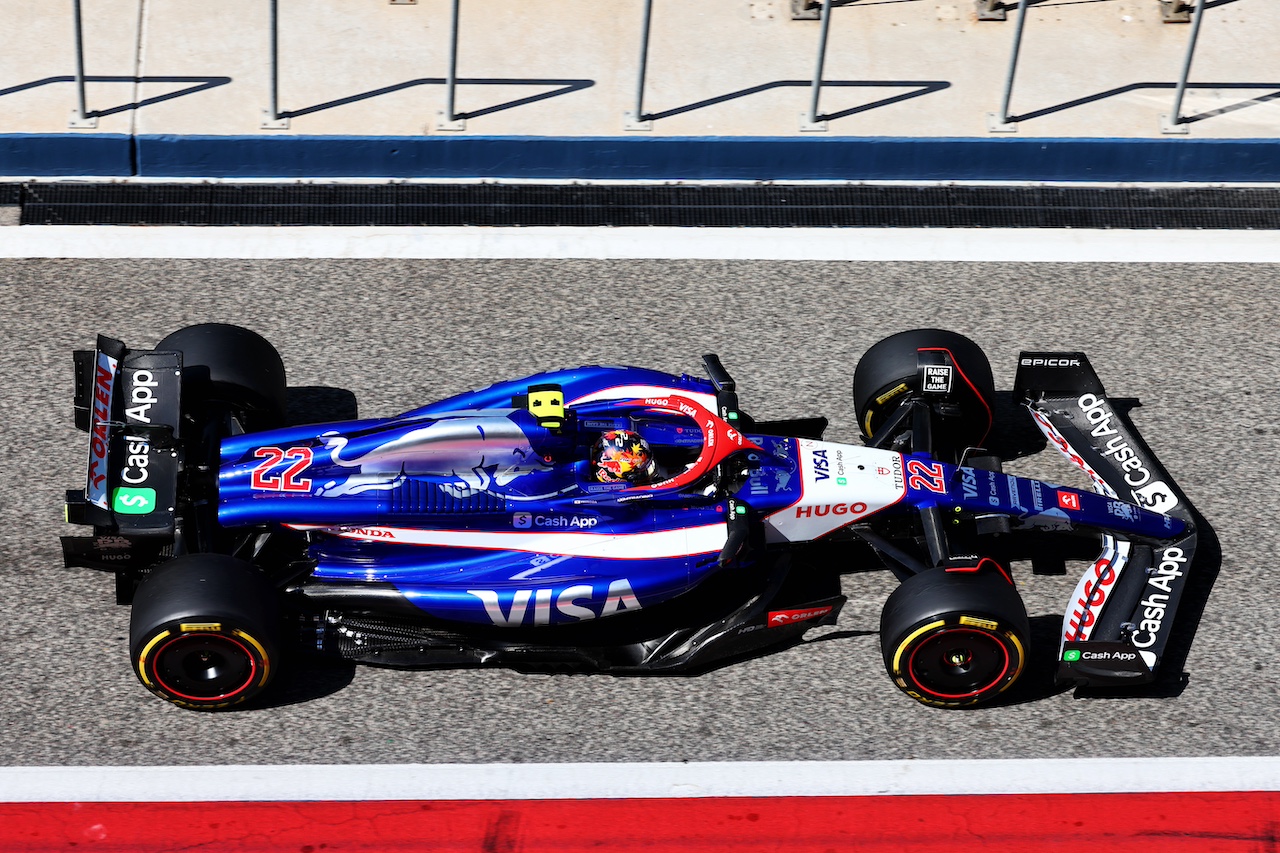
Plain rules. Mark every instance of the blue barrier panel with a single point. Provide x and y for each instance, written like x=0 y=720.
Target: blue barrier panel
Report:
x=52 y=154
x=620 y=158
x=712 y=158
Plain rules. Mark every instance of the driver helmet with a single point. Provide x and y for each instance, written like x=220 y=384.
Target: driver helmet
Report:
x=622 y=456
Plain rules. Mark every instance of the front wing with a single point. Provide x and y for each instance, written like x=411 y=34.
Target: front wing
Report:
x=1120 y=617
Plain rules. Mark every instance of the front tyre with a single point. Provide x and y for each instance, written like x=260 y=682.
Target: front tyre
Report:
x=887 y=374
x=955 y=637
x=204 y=632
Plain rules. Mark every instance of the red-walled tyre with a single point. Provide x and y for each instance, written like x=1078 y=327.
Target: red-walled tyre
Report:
x=204 y=632
x=953 y=638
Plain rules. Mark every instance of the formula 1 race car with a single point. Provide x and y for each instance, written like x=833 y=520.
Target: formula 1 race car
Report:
x=482 y=530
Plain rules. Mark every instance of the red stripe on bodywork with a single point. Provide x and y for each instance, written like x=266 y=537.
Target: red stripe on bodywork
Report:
x=1135 y=823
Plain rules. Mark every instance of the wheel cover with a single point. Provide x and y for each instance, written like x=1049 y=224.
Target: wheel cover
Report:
x=959 y=663
x=205 y=667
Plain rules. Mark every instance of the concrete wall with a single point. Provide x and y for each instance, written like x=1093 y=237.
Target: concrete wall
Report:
x=180 y=88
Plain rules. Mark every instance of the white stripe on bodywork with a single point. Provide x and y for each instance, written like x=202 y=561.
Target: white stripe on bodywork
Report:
x=1076 y=626
x=620 y=546
x=1057 y=439
x=1085 y=616
x=632 y=392
x=869 y=481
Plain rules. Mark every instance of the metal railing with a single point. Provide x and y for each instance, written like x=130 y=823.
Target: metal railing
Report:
x=636 y=120
x=1172 y=122
x=80 y=117
x=271 y=119
x=811 y=121
x=449 y=119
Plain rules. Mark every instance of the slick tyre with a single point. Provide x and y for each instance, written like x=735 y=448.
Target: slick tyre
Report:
x=233 y=366
x=952 y=638
x=886 y=375
x=204 y=632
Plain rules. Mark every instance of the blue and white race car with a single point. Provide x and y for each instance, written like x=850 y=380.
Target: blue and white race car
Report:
x=606 y=518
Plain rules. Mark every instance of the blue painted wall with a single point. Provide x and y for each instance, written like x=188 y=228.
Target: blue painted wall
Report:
x=669 y=158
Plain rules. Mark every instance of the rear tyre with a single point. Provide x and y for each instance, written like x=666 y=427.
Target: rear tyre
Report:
x=232 y=366
x=887 y=374
x=955 y=637
x=204 y=632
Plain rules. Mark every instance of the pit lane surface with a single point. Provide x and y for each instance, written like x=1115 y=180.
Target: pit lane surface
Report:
x=1195 y=343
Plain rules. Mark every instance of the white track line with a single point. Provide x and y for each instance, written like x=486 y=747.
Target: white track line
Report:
x=765 y=244
x=634 y=780
x=644 y=780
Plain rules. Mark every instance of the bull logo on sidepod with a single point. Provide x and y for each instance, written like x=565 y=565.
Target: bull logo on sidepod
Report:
x=481 y=452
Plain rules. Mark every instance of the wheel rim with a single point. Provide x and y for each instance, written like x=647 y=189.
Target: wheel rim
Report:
x=959 y=663
x=205 y=667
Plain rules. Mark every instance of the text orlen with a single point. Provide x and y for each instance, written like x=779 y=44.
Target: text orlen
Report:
x=1156 y=604
x=790 y=617
x=578 y=603
x=100 y=432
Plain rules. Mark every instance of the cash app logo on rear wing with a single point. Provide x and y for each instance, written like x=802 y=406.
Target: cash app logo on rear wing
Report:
x=131 y=501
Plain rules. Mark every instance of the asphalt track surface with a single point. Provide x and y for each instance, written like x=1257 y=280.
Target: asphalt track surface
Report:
x=1195 y=343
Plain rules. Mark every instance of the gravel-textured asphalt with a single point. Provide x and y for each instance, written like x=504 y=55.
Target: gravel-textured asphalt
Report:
x=1197 y=344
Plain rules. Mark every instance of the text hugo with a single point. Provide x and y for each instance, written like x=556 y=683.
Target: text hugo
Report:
x=830 y=509
x=1094 y=594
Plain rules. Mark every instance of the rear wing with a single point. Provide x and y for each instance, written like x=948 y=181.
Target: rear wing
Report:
x=1119 y=619
x=129 y=403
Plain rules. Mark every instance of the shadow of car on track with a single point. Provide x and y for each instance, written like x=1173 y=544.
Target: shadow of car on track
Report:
x=303 y=678
x=317 y=403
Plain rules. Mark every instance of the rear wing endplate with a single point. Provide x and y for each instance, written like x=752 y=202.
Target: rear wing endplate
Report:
x=129 y=403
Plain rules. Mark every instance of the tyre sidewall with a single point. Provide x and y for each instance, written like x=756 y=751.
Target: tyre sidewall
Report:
x=888 y=372
x=233 y=365
x=937 y=601
x=205 y=599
